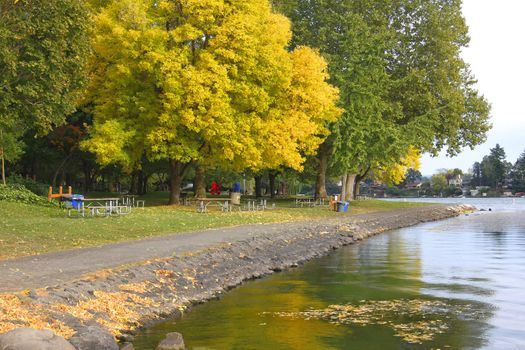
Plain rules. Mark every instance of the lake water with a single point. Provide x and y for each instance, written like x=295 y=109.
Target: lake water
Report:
x=453 y=284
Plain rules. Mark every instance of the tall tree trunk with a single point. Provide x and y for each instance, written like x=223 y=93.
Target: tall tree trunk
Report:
x=144 y=184
x=69 y=179
x=133 y=183
x=350 y=181
x=140 y=180
x=87 y=179
x=177 y=172
x=271 y=179
x=57 y=171
x=358 y=179
x=357 y=188
x=111 y=184
x=322 y=166
x=258 y=186
x=343 y=187
x=200 y=183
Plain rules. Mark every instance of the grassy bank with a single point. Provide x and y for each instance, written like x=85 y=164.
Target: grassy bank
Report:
x=29 y=229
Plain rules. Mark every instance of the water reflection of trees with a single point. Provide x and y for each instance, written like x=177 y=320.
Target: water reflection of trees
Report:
x=385 y=267
x=390 y=266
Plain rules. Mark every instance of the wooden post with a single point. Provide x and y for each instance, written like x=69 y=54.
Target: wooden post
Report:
x=51 y=195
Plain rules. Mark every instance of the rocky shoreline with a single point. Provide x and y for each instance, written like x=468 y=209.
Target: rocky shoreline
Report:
x=114 y=304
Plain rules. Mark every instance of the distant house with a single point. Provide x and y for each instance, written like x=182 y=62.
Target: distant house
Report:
x=456 y=181
x=413 y=185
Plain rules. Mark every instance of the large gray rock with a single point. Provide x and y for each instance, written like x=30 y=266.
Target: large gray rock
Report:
x=127 y=346
x=93 y=338
x=32 y=339
x=173 y=341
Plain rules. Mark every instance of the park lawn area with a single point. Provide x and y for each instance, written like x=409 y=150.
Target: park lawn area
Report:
x=30 y=229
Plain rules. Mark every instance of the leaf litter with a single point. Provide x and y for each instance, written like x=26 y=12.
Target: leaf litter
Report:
x=415 y=321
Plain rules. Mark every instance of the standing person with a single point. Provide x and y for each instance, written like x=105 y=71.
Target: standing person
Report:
x=215 y=189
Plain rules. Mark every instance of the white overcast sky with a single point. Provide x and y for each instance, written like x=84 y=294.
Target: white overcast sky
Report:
x=497 y=57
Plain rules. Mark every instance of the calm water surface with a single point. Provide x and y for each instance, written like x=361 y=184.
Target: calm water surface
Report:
x=474 y=265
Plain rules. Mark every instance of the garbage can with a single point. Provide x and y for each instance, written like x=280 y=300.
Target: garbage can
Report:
x=235 y=198
x=342 y=207
x=76 y=201
x=237 y=187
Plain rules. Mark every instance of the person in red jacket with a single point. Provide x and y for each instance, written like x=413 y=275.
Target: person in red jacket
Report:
x=215 y=189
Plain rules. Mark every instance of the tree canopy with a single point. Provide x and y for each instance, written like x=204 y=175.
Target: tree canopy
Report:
x=43 y=51
x=209 y=81
x=402 y=81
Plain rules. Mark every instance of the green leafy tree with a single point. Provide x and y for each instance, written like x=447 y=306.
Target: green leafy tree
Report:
x=499 y=167
x=477 y=174
x=43 y=51
x=402 y=81
x=412 y=176
x=10 y=150
x=438 y=183
x=518 y=173
x=494 y=167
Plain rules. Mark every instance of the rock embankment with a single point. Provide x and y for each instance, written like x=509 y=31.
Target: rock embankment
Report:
x=120 y=302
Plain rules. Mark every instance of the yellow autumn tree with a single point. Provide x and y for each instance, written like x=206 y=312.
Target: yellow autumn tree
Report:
x=207 y=81
x=395 y=173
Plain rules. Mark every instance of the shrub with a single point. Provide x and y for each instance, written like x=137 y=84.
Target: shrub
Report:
x=33 y=186
x=20 y=194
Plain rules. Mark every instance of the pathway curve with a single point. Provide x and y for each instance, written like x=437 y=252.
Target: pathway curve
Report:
x=51 y=269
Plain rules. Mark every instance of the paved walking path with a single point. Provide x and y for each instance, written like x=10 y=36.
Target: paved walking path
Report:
x=54 y=268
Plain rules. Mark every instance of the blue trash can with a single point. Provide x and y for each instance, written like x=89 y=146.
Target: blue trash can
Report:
x=75 y=202
x=342 y=207
x=237 y=187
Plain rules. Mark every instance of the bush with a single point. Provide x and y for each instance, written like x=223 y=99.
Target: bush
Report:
x=20 y=194
x=393 y=191
x=33 y=186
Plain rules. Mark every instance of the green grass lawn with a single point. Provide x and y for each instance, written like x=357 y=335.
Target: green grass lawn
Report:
x=28 y=229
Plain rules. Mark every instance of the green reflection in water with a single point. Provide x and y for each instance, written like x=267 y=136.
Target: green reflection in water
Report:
x=385 y=268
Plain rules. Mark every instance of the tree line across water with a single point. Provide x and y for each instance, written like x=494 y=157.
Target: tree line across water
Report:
x=494 y=175
x=142 y=92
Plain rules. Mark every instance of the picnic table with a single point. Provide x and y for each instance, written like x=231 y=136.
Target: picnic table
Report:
x=132 y=201
x=222 y=203
x=255 y=205
x=97 y=206
x=308 y=201
x=304 y=201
